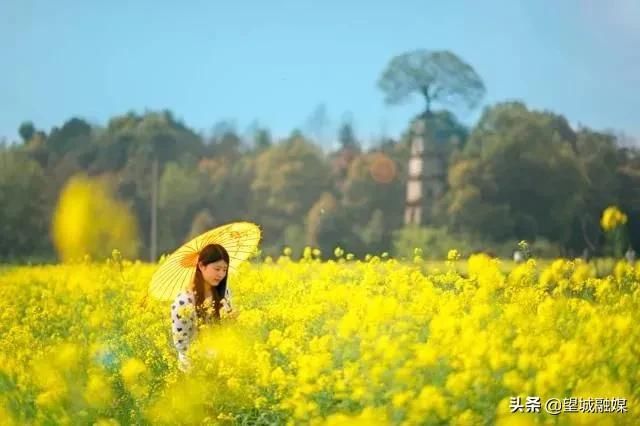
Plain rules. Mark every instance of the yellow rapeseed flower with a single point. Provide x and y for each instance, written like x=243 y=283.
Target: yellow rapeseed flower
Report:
x=612 y=217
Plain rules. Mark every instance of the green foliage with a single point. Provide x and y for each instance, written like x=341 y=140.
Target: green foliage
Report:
x=180 y=197
x=432 y=243
x=289 y=178
x=518 y=176
x=23 y=224
x=26 y=131
x=202 y=222
x=294 y=238
x=435 y=242
x=439 y=76
x=347 y=138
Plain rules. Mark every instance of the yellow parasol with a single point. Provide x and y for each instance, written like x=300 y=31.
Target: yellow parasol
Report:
x=240 y=239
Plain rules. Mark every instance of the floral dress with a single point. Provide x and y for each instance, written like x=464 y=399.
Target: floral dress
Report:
x=184 y=322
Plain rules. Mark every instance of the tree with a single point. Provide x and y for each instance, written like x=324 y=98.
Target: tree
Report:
x=375 y=232
x=225 y=141
x=347 y=137
x=628 y=178
x=318 y=123
x=329 y=226
x=149 y=141
x=24 y=216
x=36 y=147
x=341 y=159
x=316 y=221
x=180 y=198
x=289 y=178
x=372 y=197
x=439 y=76
x=74 y=135
x=294 y=237
x=202 y=222
x=155 y=134
x=518 y=177
x=26 y=131
x=262 y=139
x=598 y=157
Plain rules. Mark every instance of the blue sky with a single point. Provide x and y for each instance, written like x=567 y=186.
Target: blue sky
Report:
x=275 y=62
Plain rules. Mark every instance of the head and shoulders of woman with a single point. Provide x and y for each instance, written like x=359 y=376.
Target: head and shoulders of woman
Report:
x=209 y=283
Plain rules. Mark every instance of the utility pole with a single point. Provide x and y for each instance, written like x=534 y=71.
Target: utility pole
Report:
x=154 y=210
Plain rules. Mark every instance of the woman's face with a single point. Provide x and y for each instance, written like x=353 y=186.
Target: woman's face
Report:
x=214 y=272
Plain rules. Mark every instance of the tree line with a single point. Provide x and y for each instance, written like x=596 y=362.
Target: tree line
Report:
x=517 y=174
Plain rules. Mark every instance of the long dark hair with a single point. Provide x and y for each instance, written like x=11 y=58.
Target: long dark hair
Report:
x=209 y=254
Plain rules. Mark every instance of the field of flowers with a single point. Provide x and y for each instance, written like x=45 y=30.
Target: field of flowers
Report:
x=338 y=342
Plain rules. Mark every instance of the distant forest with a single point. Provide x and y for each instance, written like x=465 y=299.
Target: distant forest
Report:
x=517 y=174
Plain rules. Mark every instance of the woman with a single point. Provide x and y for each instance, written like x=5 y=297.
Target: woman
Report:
x=202 y=302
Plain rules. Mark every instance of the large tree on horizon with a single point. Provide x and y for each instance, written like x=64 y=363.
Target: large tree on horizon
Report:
x=439 y=76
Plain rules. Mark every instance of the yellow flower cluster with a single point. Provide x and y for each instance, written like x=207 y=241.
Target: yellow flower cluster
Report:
x=611 y=218
x=89 y=220
x=340 y=342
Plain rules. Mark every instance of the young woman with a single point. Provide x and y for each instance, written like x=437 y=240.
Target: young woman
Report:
x=201 y=304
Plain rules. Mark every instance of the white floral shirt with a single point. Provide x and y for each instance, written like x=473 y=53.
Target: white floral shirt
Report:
x=184 y=322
